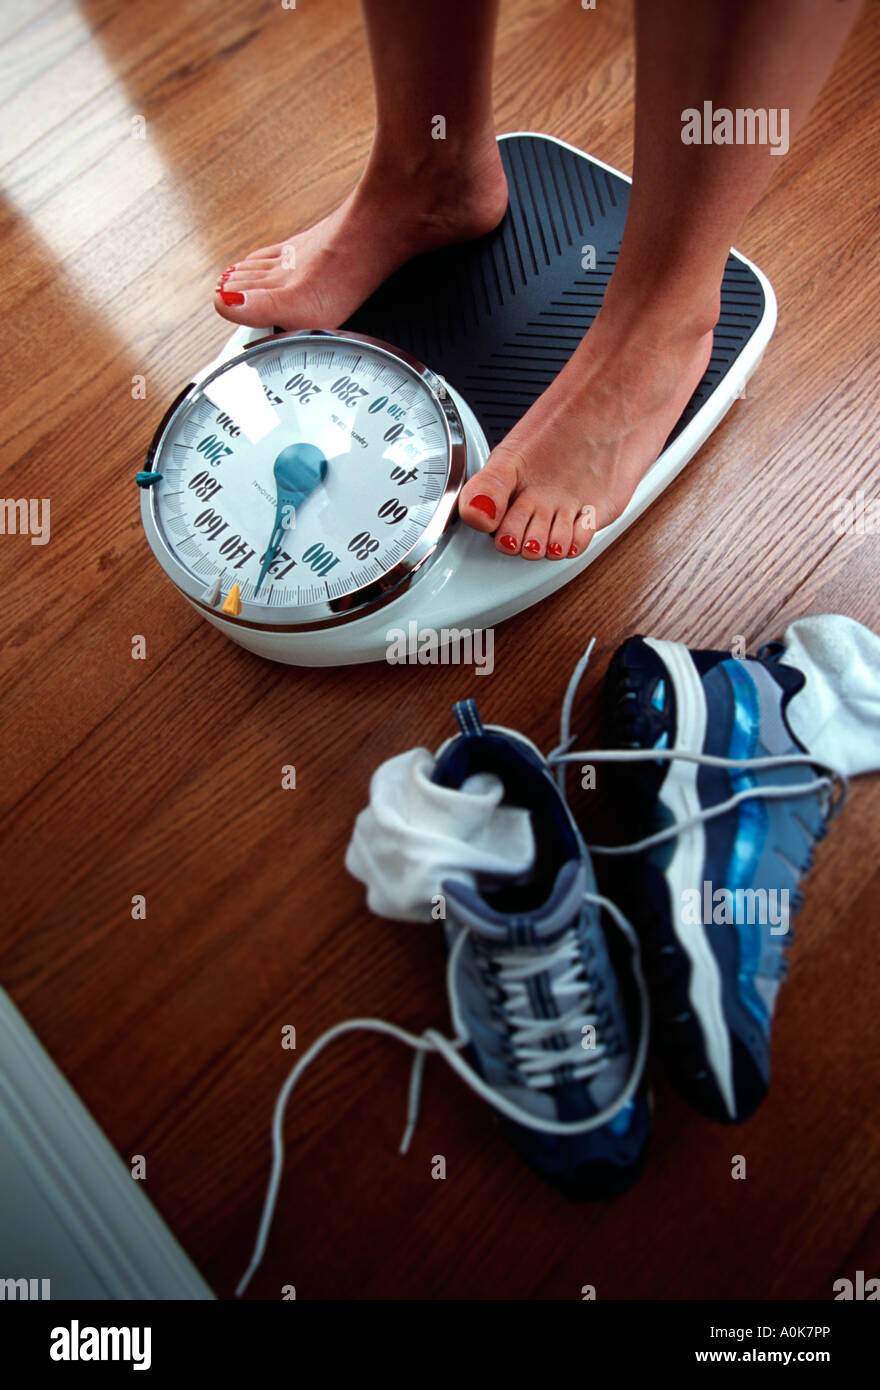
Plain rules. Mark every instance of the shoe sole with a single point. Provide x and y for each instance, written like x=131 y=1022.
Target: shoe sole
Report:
x=708 y=1063
x=703 y=996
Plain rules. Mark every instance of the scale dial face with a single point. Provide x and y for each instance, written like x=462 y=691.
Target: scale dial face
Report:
x=317 y=471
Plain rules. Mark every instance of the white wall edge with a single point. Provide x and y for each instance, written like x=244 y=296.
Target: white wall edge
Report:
x=88 y=1187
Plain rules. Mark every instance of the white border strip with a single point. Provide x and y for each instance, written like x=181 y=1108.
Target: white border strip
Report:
x=90 y=1191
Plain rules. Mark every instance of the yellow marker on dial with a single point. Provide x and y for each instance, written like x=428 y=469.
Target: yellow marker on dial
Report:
x=232 y=603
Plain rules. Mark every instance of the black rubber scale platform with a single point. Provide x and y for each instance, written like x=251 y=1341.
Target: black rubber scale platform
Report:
x=500 y=316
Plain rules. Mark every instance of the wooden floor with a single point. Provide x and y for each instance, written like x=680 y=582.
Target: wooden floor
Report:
x=163 y=777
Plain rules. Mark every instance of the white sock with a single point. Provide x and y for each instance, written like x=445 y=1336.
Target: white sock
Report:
x=414 y=834
x=837 y=714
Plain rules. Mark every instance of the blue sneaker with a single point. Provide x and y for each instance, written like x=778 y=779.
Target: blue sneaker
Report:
x=557 y=1037
x=715 y=888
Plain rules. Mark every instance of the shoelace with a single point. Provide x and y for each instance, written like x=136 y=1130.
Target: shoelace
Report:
x=450 y=1048
x=563 y=754
x=534 y=1063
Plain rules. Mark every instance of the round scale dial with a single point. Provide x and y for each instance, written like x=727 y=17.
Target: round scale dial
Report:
x=315 y=471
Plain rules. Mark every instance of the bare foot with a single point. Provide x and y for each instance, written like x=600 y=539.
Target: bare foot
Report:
x=318 y=278
x=573 y=462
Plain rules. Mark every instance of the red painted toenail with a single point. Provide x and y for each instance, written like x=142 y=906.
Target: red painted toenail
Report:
x=231 y=297
x=509 y=542
x=554 y=549
x=532 y=547
x=484 y=504
x=573 y=550
x=225 y=276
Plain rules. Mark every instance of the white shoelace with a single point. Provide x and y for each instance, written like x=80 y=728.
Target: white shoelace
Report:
x=516 y=968
x=563 y=754
x=450 y=1049
x=769 y=793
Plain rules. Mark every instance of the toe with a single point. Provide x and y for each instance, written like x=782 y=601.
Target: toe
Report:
x=486 y=497
x=257 y=308
x=267 y=253
x=249 y=279
x=560 y=538
x=537 y=532
x=249 y=267
x=511 y=530
x=583 y=529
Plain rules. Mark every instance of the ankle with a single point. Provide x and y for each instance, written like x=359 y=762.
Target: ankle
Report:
x=441 y=185
x=464 y=164
x=668 y=307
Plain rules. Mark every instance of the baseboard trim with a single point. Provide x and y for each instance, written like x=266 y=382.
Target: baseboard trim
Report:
x=96 y=1205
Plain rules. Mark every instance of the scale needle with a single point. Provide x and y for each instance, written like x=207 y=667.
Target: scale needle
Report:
x=298 y=470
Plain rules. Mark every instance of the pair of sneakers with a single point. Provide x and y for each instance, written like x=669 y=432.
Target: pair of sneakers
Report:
x=720 y=768
x=551 y=988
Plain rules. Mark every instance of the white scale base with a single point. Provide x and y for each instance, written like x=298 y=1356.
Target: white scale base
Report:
x=470 y=585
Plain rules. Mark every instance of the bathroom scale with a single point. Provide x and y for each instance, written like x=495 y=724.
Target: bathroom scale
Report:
x=301 y=491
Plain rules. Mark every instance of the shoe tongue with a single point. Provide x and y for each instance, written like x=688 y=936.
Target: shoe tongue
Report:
x=553 y=917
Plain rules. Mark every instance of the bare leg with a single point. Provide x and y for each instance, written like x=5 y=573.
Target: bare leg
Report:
x=417 y=191
x=592 y=435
